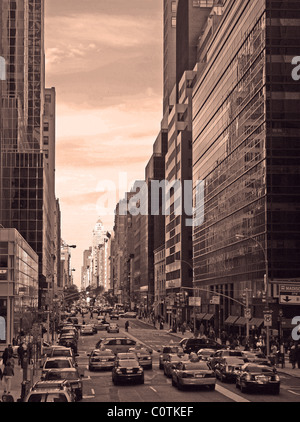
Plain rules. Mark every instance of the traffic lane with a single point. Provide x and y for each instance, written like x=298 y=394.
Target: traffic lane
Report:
x=263 y=396
x=157 y=388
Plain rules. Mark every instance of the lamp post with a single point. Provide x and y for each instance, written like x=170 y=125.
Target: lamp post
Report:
x=266 y=286
x=192 y=268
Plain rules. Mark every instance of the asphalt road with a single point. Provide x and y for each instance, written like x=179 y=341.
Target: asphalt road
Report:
x=98 y=386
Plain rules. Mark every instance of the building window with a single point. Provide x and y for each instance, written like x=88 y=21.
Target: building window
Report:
x=173 y=7
x=173 y=22
x=48 y=98
x=46 y=140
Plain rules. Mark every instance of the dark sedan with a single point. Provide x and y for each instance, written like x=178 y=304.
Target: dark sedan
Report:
x=256 y=377
x=127 y=371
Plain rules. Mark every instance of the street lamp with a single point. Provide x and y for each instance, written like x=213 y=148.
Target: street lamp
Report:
x=192 y=268
x=266 y=287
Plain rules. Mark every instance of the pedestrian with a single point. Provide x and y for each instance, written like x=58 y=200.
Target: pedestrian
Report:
x=126 y=325
x=183 y=327
x=298 y=355
x=8 y=373
x=292 y=356
x=8 y=352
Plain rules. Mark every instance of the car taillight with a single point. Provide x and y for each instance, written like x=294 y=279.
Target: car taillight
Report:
x=276 y=378
x=140 y=371
x=229 y=368
x=248 y=377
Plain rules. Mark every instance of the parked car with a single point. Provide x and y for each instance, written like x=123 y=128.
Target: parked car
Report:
x=61 y=351
x=69 y=374
x=144 y=357
x=101 y=359
x=172 y=360
x=55 y=363
x=114 y=315
x=164 y=353
x=228 y=368
x=127 y=371
x=87 y=330
x=69 y=330
x=220 y=354
x=68 y=340
x=255 y=377
x=195 y=344
x=50 y=392
x=113 y=328
x=193 y=374
x=118 y=344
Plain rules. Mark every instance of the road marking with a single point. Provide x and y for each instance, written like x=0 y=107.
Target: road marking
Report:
x=93 y=391
x=293 y=392
x=231 y=395
x=153 y=389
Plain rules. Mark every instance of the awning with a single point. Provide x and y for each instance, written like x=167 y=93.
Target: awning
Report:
x=231 y=319
x=256 y=321
x=241 y=321
x=200 y=315
x=208 y=317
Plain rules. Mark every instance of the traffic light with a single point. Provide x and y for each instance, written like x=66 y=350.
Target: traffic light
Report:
x=244 y=298
x=263 y=296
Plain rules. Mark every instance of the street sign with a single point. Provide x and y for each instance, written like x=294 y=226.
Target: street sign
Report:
x=215 y=300
x=194 y=301
x=289 y=294
x=268 y=320
x=247 y=313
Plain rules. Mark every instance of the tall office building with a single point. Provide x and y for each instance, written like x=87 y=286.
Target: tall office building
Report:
x=27 y=197
x=190 y=20
x=246 y=149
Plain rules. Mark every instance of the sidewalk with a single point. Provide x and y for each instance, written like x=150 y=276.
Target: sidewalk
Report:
x=16 y=383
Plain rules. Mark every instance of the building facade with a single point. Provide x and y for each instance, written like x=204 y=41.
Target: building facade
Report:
x=245 y=148
x=18 y=286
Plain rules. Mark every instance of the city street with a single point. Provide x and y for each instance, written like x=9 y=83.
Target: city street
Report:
x=98 y=386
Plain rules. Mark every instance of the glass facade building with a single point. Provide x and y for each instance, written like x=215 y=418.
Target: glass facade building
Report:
x=246 y=148
x=18 y=285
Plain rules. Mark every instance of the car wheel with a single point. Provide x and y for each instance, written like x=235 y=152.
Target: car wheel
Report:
x=212 y=387
x=237 y=385
x=276 y=391
x=173 y=382
x=91 y=369
x=179 y=386
x=160 y=366
x=243 y=388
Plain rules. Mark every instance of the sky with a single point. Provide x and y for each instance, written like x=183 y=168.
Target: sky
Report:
x=104 y=58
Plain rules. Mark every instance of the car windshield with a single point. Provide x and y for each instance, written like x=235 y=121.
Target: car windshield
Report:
x=197 y=366
x=61 y=353
x=65 y=375
x=233 y=361
x=47 y=397
x=130 y=363
x=172 y=349
x=233 y=353
x=104 y=353
x=258 y=368
x=57 y=364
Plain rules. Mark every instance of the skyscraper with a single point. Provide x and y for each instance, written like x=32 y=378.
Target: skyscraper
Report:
x=27 y=197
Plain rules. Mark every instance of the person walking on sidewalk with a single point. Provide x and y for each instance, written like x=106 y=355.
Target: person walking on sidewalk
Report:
x=8 y=373
x=292 y=356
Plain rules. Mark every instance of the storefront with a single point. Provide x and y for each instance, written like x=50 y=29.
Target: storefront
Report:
x=18 y=286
